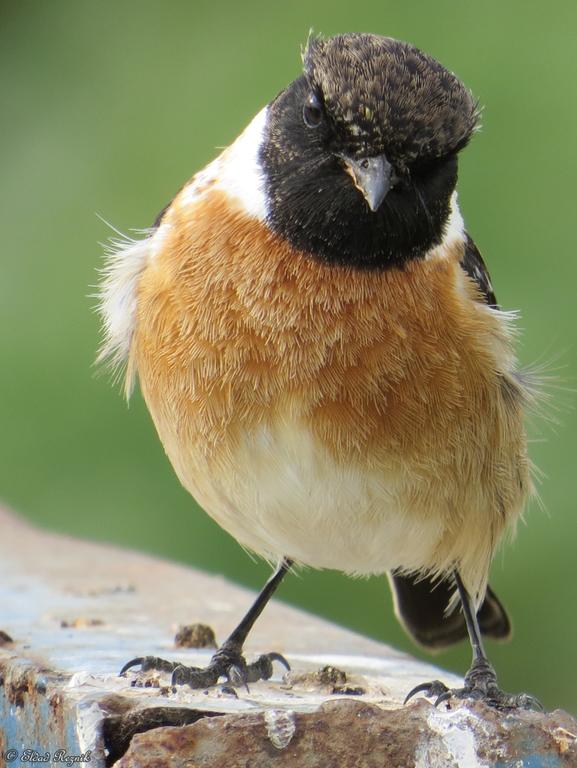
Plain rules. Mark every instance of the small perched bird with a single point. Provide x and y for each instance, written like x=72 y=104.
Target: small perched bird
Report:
x=320 y=348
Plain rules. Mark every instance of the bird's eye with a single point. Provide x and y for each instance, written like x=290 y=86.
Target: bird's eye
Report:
x=312 y=112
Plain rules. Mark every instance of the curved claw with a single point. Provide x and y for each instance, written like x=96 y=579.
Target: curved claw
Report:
x=139 y=660
x=526 y=701
x=237 y=677
x=415 y=690
x=443 y=697
x=149 y=662
x=281 y=660
x=434 y=688
x=175 y=674
x=506 y=701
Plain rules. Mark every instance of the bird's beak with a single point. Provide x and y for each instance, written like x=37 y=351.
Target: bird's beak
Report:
x=371 y=176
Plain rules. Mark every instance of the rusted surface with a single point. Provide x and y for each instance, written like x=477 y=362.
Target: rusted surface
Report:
x=350 y=733
x=118 y=730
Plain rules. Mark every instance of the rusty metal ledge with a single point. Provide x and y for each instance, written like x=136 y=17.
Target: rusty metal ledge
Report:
x=77 y=611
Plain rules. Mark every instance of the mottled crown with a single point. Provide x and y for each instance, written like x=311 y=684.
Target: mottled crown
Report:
x=384 y=95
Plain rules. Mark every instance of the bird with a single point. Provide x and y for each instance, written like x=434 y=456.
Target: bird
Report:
x=318 y=342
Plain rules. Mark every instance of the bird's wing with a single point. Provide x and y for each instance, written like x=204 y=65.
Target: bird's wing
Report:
x=473 y=264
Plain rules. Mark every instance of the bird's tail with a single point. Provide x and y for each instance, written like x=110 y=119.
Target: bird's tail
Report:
x=421 y=607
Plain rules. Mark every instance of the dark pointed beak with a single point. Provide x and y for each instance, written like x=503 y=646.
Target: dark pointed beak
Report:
x=371 y=176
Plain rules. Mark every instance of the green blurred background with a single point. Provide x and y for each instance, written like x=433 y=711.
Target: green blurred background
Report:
x=109 y=107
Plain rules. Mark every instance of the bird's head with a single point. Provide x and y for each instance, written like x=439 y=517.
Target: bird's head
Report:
x=359 y=154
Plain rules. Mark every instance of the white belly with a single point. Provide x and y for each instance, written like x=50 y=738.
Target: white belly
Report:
x=283 y=495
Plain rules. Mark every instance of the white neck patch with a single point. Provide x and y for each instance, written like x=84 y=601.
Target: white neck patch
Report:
x=239 y=171
x=455 y=226
x=453 y=231
x=236 y=171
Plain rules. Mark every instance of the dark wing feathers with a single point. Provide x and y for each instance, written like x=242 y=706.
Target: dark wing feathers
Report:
x=473 y=264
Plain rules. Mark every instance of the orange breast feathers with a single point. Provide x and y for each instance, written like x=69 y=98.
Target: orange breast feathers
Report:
x=404 y=372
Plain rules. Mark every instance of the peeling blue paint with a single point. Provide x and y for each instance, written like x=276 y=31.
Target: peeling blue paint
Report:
x=30 y=728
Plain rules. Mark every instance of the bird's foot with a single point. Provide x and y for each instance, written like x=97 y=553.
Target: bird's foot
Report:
x=228 y=662
x=480 y=685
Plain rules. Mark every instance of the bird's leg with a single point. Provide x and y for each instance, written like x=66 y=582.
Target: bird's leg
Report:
x=480 y=681
x=228 y=661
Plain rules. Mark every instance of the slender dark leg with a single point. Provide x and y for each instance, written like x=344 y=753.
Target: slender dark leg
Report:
x=479 y=655
x=481 y=676
x=228 y=661
x=238 y=636
x=481 y=680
